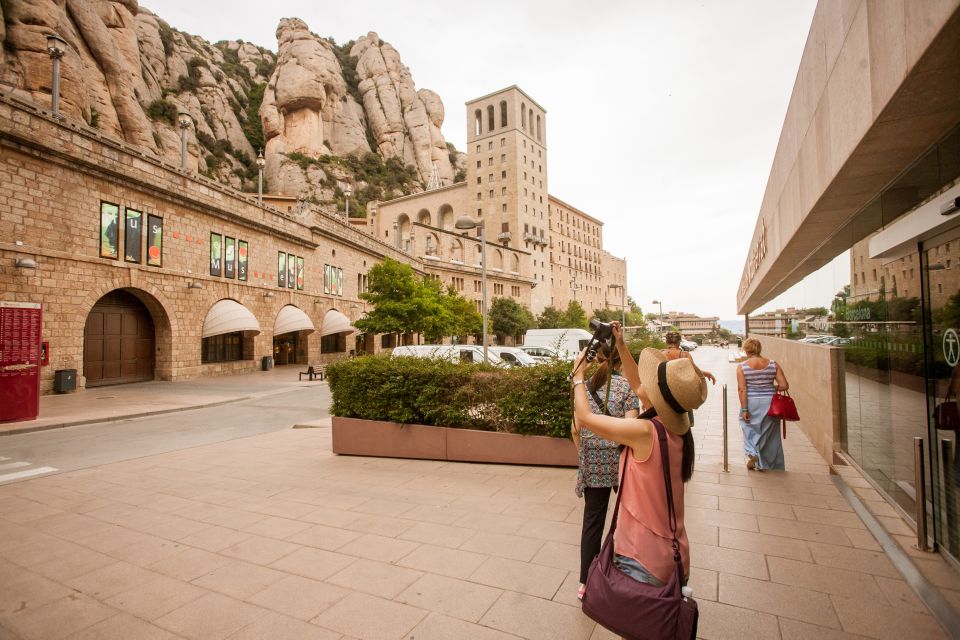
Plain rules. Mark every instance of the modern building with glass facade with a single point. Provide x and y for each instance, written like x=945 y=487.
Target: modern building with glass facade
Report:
x=869 y=163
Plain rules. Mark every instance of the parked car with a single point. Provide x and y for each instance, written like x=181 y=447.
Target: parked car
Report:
x=834 y=341
x=540 y=354
x=451 y=352
x=688 y=345
x=514 y=356
x=567 y=342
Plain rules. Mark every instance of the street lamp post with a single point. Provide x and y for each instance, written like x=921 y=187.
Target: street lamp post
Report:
x=660 y=302
x=260 y=164
x=56 y=47
x=623 y=302
x=184 y=120
x=347 y=193
x=470 y=223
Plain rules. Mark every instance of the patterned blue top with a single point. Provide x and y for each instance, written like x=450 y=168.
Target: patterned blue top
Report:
x=760 y=381
x=599 y=461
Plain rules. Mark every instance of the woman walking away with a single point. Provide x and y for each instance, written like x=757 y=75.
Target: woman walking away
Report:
x=758 y=380
x=599 y=457
x=674 y=352
x=645 y=533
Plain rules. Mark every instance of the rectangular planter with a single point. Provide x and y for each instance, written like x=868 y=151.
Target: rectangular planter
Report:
x=352 y=436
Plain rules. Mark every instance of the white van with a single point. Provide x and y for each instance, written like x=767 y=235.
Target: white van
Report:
x=451 y=352
x=567 y=342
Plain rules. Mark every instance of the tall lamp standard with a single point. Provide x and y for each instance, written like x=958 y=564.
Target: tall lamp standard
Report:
x=56 y=47
x=660 y=302
x=470 y=223
x=623 y=302
x=347 y=193
x=260 y=164
x=184 y=120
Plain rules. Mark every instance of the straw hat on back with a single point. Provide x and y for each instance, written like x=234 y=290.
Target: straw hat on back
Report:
x=673 y=386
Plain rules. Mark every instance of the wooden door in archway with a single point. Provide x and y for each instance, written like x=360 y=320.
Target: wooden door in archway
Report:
x=118 y=341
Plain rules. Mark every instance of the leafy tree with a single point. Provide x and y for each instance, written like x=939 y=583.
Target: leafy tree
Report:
x=509 y=318
x=550 y=318
x=435 y=318
x=634 y=313
x=574 y=317
x=467 y=320
x=404 y=303
x=607 y=315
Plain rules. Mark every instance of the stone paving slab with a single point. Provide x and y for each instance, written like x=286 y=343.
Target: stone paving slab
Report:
x=273 y=536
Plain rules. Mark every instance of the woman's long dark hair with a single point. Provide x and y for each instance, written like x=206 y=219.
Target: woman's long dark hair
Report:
x=686 y=465
x=610 y=359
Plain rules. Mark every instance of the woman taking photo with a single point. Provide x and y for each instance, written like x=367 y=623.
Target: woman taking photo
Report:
x=758 y=380
x=643 y=539
x=599 y=457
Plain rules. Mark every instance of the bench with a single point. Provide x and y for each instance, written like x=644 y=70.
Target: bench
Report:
x=314 y=373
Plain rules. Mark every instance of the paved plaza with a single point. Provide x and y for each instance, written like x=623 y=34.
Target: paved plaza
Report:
x=273 y=536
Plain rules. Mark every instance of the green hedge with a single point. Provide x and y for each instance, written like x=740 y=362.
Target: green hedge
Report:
x=525 y=400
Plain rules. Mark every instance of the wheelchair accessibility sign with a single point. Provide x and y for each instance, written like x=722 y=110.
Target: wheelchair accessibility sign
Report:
x=951 y=347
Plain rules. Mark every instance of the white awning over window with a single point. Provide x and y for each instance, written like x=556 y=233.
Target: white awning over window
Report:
x=228 y=316
x=336 y=322
x=291 y=318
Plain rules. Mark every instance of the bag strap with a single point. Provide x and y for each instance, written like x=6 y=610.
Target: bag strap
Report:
x=668 y=482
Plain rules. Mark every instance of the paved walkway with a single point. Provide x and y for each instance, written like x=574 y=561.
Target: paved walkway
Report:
x=273 y=536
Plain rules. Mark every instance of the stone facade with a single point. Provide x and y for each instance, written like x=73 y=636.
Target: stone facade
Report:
x=871 y=278
x=690 y=324
x=56 y=173
x=539 y=245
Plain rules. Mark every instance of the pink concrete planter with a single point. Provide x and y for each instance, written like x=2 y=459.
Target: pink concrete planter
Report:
x=352 y=436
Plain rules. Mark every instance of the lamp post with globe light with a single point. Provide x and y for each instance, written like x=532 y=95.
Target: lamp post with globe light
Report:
x=466 y=223
x=56 y=47
x=260 y=164
x=347 y=193
x=184 y=120
x=660 y=303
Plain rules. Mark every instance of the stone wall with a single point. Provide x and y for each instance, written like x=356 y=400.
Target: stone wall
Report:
x=55 y=175
x=817 y=385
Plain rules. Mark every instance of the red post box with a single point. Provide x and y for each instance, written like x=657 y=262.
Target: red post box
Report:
x=20 y=329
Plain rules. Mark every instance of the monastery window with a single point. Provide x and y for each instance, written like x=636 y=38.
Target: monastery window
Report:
x=503 y=157
x=490 y=177
x=491 y=193
x=523 y=119
x=490 y=161
x=477 y=123
x=479 y=196
x=503 y=113
x=503 y=175
x=530 y=121
x=478 y=180
x=478 y=164
x=539 y=153
x=479 y=212
x=503 y=207
x=539 y=136
x=503 y=191
x=490 y=121
x=478 y=148
x=490 y=146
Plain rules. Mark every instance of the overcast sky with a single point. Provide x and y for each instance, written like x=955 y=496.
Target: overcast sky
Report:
x=663 y=117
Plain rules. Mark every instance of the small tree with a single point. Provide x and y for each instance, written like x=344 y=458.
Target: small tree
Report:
x=574 y=317
x=467 y=320
x=509 y=318
x=550 y=318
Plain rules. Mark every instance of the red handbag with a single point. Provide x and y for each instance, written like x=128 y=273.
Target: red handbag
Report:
x=946 y=416
x=633 y=609
x=782 y=406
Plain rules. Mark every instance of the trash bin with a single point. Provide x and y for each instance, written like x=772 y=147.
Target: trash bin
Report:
x=65 y=380
x=267 y=363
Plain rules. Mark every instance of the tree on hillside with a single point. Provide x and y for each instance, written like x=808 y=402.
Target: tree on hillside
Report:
x=550 y=318
x=509 y=318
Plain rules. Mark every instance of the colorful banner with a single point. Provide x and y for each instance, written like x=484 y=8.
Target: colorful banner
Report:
x=154 y=241
x=299 y=273
x=216 y=254
x=326 y=278
x=281 y=269
x=229 y=256
x=291 y=271
x=242 y=260
x=109 y=220
x=133 y=225
x=339 y=282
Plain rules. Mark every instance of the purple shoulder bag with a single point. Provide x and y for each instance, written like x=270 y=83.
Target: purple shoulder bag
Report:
x=636 y=610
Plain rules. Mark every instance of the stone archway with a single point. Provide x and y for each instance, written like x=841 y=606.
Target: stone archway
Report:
x=124 y=332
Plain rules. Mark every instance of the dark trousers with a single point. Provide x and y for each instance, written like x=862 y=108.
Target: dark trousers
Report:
x=594 y=514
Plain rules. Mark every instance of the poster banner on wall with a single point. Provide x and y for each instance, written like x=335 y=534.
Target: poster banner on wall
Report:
x=133 y=223
x=291 y=271
x=241 y=260
x=299 y=273
x=326 y=278
x=229 y=256
x=281 y=269
x=339 y=282
x=154 y=241
x=216 y=254
x=109 y=220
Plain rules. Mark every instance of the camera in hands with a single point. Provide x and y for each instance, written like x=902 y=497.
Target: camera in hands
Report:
x=602 y=335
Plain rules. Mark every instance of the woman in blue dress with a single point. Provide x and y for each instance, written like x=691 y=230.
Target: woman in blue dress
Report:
x=758 y=380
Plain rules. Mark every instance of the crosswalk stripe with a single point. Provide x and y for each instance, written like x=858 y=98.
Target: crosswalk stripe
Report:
x=26 y=474
x=13 y=465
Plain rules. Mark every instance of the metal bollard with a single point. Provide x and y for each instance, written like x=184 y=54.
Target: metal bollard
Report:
x=920 y=494
x=725 y=448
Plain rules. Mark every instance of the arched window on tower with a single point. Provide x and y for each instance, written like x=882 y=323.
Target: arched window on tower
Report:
x=503 y=113
x=491 y=122
x=523 y=116
x=477 y=122
x=530 y=120
x=539 y=136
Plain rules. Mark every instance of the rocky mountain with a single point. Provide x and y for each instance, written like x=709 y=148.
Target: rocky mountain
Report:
x=326 y=116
